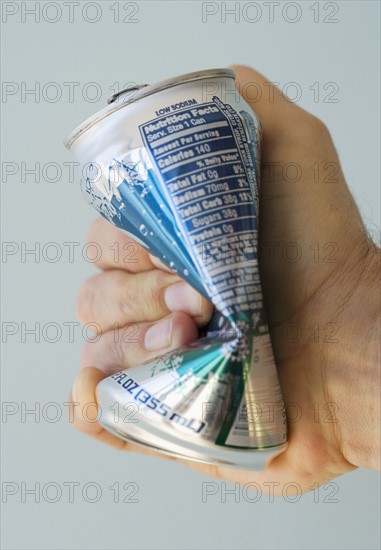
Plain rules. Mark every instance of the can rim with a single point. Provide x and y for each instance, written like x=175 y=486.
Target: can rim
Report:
x=144 y=91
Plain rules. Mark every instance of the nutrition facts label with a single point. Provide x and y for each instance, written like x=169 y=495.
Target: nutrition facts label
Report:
x=205 y=155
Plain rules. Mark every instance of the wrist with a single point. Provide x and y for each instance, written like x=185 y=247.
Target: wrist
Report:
x=356 y=369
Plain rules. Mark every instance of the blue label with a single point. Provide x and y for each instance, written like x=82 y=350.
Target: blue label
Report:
x=206 y=159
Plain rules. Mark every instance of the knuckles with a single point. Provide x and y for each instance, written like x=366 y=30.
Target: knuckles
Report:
x=135 y=297
x=312 y=130
x=145 y=300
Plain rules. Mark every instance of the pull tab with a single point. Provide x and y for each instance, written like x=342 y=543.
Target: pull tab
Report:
x=115 y=96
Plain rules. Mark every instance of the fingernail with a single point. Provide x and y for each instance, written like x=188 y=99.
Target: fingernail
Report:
x=159 y=335
x=182 y=297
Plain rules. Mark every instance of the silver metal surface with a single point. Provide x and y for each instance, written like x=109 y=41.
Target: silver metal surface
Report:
x=177 y=167
x=142 y=91
x=190 y=405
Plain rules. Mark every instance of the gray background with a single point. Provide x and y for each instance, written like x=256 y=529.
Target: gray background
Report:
x=169 y=38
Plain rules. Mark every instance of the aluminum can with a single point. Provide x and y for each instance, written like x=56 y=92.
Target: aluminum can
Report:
x=176 y=165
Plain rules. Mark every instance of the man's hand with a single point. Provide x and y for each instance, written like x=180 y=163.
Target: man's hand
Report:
x=319 y=272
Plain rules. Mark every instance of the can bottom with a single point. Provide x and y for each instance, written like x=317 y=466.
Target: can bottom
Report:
x=244 y=459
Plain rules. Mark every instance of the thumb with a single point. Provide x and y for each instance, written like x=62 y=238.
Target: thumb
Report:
x=305 y=202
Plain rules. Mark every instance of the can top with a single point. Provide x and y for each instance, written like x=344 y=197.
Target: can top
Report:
x=143 y=90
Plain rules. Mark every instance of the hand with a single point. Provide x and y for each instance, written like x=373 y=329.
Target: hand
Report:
x=319 y=273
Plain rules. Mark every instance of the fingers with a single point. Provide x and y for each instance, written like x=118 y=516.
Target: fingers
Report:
x=117 y=249
x=118 y=350
x=115 y=351
x=84 y=412
x=115 y=298
x=132 y=345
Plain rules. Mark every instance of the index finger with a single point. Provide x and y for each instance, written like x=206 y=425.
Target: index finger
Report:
x=116 y=249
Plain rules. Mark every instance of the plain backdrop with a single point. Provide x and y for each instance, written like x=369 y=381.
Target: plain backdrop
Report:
x=326 y=54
